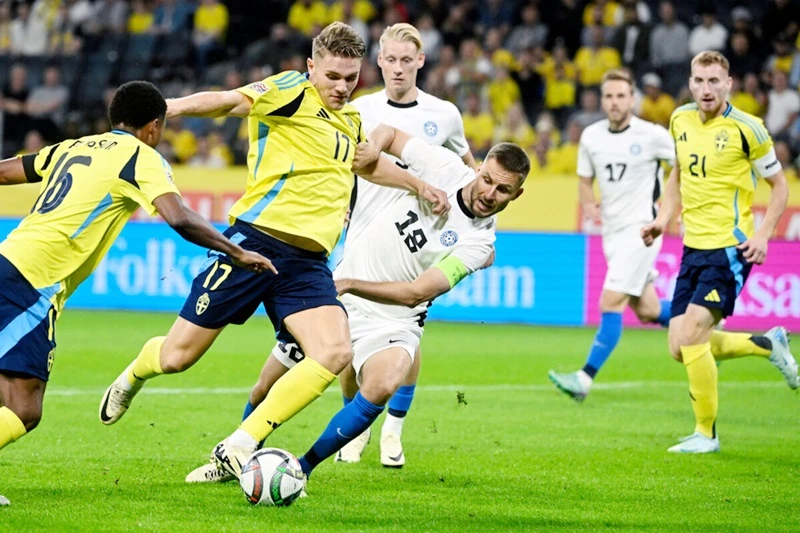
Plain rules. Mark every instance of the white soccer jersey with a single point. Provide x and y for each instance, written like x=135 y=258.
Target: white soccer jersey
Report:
x=404 y=239
x=627 y=165
x=436 y=121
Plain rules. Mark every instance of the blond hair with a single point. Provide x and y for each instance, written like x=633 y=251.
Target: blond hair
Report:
x=339 y=40
x=403 y=32
x=617 y=74
x=711 y=57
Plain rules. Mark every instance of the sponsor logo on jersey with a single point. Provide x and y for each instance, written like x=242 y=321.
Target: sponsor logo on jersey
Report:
x=202 y=303
x=448 y=238
x=636 y=149
x=712 y=296
x=682 y=137
x=322 y=113
x=431 y=129
x=259 y=87
x=721 y=140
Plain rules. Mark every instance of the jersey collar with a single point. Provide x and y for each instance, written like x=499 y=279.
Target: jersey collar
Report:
x=401 y=106
x=462 y=205
x=122 y=132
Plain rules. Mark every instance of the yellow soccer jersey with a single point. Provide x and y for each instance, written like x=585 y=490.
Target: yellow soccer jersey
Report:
x=719 y=162
x=90 y=188
x=300 y=158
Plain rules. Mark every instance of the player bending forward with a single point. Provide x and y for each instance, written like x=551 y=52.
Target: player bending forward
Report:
x=404 y=259
x=624 y=154
x=720 y=151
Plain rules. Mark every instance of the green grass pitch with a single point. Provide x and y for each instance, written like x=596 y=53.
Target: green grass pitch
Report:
x=513 y=455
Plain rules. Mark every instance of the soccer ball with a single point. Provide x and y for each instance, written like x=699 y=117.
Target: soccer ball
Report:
x=272 y=477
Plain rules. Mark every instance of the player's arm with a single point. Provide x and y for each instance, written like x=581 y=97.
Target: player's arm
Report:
x=195 y=229
x=381 y=138
x=210 y=104
x=589 y=204
x=670 y=201
x=754 y=249
x=469 y=160
x=434 y=282
x=16 y=170
x=385 y=173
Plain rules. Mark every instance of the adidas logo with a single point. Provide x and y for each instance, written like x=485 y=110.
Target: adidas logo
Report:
x=712 y=296
x=682 y=137
x=324 y=114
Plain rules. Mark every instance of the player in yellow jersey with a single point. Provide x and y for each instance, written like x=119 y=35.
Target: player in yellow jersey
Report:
x=720 y=153
x=89 y=189
x=303 y=137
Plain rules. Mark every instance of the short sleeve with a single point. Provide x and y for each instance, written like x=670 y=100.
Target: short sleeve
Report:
x=760 y=149
x=433 y=164
x=585 y=167
x=270 y=93
x=664 y=145
x=149 y=177
x=457 y=141
x=476 y=250
x=42 y=164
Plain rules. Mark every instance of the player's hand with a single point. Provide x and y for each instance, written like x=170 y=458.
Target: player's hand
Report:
x=754 y=249
x=342 y=286
x=591 y=212
x=651 y=232
x=436 y=197
x=254 y=262
x=366 y=154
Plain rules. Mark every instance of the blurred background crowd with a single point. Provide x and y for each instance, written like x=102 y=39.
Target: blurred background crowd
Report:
x=525 y=71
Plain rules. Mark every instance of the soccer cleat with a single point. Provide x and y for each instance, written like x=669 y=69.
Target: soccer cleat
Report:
x=570 y=384
x=351 y=452
x=4 y=501
x=231 y=458
x=392 y=451
x=781 y=357
x=209 y=473
x=696 y=443
x=117 y=399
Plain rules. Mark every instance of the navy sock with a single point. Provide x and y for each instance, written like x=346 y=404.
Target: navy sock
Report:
x=248 y=409
x=666 y=313
x=401 y=401
x=604 y=342
x=345 y=425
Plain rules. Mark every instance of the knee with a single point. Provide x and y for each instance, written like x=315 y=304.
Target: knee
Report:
x=175 y=358
x=675 y=351
x=336 y=357
x=379 y=391
x=29 y=414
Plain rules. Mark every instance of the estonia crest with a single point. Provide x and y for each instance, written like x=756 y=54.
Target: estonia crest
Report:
x=448 y=238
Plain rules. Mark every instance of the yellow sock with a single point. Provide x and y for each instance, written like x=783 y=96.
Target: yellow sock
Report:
x=725 y=345
x=11 y=427
x=702 y=372
x=291 y=394
x=148 y=364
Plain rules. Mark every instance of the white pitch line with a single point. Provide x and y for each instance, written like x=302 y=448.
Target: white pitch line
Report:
x=500 y=387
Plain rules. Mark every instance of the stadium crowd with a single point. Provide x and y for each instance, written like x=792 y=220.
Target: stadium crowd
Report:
x=522 y=71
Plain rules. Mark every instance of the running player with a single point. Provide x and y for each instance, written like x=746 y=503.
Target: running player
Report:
x=303 y=137
x=624 y=153
x=90 y=187
x=720 y=153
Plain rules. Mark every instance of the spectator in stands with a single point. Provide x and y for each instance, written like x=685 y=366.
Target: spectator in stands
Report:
x=363 y=10
x=741 y=99
x=742 y=22
x=543 y=150
x=172 y=17
x=63 y=39
x=494 y=51
x=741 y=58
x=593 y=61
x=203 y=157
x=5 y=28
x=669 y=41
x=497 y=14
x=431 y=37
x=473 y=69
x=165 y=149
x=32 y=144
x=15 y=118
x=566 y=157
x=515 y=128
x=559 y=94
x=210 y=27
x=79 y=12
x=709 y=34
x=590 y=112
x=110 y=17
x=565 y=21
x=141 y=18
x=781 y=16
x=369 y=81
x=657 y=106
x=632 y=41
x=345 y=11
x=611 y=13
x=393 y=12
x=456 y=27
x=783 y=106
x=643 y=12
x=529 y=82
x=183 y=141
x=782 y=56
x=597 y=22
x=304 y=15
x=478 y=126
x=28 y=32
x=530 y=34
x=502 y=91
x=784 y=155
x=47 y=104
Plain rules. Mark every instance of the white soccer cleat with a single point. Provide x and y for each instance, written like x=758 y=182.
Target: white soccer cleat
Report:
x=781 y=357
x=231 y=458
x=392 y=451
x=4 y=501
x=570 y=383
x=351 y=452
x=696 y=443
x=117 y=399
x=209 y=473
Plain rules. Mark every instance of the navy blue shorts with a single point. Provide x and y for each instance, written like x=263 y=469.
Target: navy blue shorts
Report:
x=27 y=325
x=225 y=294
x=711 y=279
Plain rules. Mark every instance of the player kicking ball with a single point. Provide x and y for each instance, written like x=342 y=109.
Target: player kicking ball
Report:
x=624 y=154
x=405 y=258
x=720 y=153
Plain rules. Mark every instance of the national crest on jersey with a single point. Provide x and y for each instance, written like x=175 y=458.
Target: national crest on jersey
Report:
x=299 y=161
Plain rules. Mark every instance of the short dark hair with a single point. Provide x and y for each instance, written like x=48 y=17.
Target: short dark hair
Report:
x=339 y=40
x=136 y=104
x=512 y=158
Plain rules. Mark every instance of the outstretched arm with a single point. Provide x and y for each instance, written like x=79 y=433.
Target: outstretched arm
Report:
x=210 y=104
x=426 y=287
x=384 y=172
x=15 y=170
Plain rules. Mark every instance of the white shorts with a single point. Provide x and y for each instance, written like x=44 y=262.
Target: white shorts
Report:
x=374 y=335
x=630 y=262
x=287 y=353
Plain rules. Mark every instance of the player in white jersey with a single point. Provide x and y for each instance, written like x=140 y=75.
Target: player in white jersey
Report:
x=624 y=153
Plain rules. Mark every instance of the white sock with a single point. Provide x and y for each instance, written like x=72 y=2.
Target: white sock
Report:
x=393 y=424
x=585 y=379
x=242 y=439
